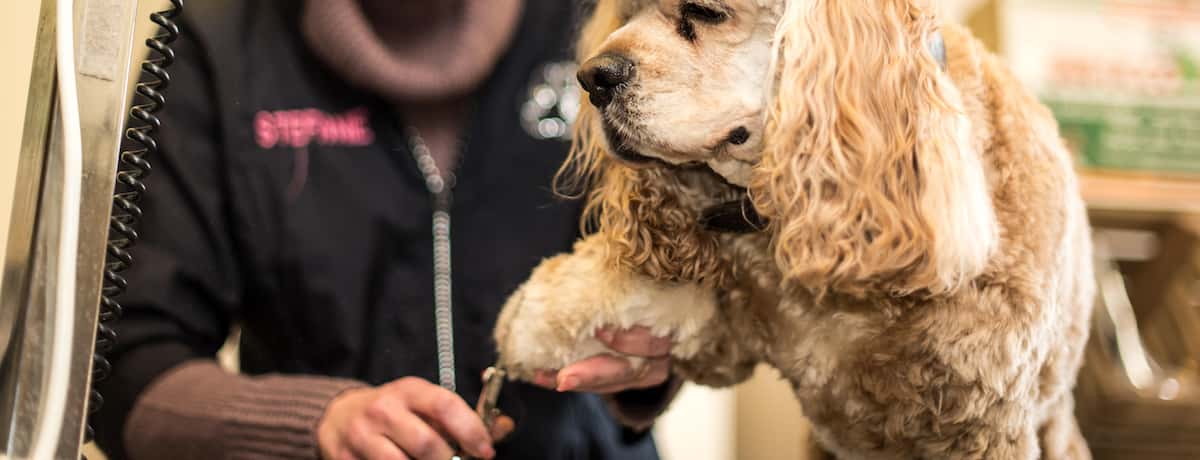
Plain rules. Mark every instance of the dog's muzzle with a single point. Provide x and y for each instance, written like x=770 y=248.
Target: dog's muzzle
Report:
x=604 y=76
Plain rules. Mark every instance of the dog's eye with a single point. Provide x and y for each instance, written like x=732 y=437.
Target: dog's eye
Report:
x=696 y=12
x=689 y=12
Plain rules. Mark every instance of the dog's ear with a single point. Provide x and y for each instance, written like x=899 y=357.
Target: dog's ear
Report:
x=869 y=175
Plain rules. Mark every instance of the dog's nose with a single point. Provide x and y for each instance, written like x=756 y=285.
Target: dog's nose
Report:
x=603 y=76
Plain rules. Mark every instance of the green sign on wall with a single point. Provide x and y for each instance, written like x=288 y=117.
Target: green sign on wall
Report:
x=1159 y=135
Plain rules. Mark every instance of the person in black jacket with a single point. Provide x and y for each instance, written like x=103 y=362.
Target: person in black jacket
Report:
x=313 y=157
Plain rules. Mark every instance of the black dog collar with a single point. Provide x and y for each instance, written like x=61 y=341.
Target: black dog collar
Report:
x=736 y=216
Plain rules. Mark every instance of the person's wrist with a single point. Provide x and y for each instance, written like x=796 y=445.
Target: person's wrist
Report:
x=637 y=409
x=649 y=395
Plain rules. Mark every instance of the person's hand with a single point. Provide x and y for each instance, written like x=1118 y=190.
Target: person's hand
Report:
x=409 y=418
x=610 y=374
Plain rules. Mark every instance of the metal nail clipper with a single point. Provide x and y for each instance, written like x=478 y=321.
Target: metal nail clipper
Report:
x=493 y=380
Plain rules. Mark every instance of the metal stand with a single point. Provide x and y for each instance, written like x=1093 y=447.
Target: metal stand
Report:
x=104 y=32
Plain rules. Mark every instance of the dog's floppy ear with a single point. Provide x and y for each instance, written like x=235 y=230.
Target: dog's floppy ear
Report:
x=869 y=176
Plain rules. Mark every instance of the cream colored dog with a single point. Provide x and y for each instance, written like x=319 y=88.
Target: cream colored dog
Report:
x=903 y=236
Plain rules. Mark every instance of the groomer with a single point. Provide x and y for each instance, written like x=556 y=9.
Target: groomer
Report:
x=358 y=185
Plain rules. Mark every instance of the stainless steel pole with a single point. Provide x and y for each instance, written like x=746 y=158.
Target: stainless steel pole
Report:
x=103 y=42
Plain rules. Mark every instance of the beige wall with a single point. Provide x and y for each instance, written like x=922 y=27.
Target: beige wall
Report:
x=17 y=28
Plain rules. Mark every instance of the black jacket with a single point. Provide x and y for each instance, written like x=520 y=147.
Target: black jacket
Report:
x=286 y=201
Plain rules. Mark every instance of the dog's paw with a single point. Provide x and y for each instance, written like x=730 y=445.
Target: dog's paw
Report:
x=550 y=321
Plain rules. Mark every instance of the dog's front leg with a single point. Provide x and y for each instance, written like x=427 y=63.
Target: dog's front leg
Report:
x=550 y=321
x=731 y=348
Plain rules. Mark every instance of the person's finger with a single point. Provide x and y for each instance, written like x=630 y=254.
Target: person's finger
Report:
x=390 y=413
x=411 y=434
x=546 y=379
x=656 y=375
x=502 y=427
x=635 y=341
x=647 y=382
x=452 y=414
x=652 y=373
x=343 y=453
x=374 y=446
x=596 y=371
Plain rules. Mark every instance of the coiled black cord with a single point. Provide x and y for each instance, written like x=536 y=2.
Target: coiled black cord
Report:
x=132 y=167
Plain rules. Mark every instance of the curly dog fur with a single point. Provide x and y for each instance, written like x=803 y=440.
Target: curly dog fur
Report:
x=925 y=280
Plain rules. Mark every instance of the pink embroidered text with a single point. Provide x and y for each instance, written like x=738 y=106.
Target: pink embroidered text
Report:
x=301 y=128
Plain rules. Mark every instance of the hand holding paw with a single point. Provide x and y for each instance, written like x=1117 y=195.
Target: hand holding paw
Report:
x=614 y=372
x=581 y=324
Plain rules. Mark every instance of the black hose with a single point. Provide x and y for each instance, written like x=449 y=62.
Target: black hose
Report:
x=132 y=167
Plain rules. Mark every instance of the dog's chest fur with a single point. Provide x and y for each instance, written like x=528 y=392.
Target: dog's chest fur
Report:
x=871 y=374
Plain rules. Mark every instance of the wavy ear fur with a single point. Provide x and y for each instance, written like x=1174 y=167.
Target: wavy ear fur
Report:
x=650 y=229
x=868 y=175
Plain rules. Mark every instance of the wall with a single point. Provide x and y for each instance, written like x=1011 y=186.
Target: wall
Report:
x=17 y=27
